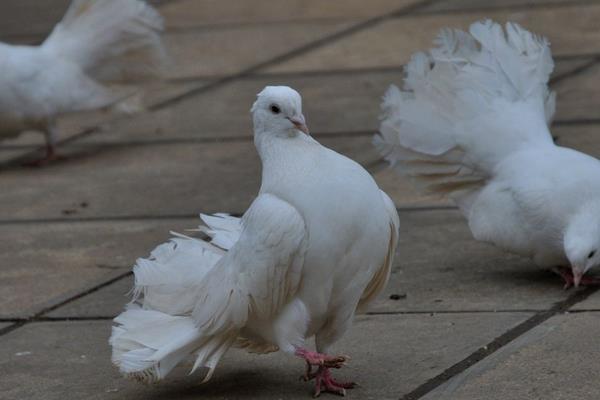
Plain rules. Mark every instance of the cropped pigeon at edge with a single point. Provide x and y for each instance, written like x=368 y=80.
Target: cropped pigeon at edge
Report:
x=96 y=43
x=472 y=123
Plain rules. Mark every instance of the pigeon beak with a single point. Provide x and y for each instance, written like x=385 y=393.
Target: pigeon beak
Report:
x=299 y=123
x=577 y=278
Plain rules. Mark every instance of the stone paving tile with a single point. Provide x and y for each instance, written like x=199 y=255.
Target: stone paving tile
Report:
x=228 y=51
x=584 y=137
x=579 y=96
x=7 y=153
x=170 y=179
x=194 y=13
x=30 y=17
x=565 y=66
x=330 y=104
x=440 y=267
x=392 y=43
x=104 y=303
x=72 y=361
x=456 y=5
x=556 y=360
x=43 y=264
x=591 y=303
x=403 y=192
x=135 y=180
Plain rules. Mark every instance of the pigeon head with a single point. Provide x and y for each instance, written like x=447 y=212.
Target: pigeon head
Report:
x=582 y=240
x=278 y=111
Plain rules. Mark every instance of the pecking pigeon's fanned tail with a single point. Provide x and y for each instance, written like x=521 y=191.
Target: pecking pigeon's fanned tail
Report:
x=466 y=105
x=156 y=331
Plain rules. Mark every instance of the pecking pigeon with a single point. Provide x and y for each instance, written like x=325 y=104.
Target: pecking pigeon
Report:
x=97 y=42
x=314 y=246
x=473 y=123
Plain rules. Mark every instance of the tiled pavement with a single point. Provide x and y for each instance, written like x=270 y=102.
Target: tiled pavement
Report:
x=459 y=319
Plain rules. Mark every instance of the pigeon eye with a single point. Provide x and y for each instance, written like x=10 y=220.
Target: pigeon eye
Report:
x=275 y=109
x=592 y=253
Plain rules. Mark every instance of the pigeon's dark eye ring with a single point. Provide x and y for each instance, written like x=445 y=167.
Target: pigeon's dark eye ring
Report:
x=275 y=109
x=592 y=253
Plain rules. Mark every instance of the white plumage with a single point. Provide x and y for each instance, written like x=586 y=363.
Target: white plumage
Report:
x=97 y=42
x=316 y=244
x=473 y=123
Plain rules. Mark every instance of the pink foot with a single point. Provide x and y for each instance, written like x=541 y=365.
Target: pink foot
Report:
x=324 y=382
x=567 y=276
x=50 y=157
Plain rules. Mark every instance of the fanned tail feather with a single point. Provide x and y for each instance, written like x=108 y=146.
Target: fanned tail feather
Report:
x=466 y=105
x=156 y=331
x=111 y=40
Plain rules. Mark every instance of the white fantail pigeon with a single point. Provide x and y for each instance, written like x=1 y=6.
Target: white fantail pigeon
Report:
x=97 y=42
x=314 y=246
x=472 y=122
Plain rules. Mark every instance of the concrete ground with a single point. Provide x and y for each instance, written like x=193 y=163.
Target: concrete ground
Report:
x=459 y=320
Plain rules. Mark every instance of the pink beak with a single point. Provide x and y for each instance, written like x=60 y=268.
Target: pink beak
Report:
x=299 y=123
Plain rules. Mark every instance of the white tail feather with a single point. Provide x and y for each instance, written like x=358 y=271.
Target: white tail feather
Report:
x=468 y=104
x=110 y=40
x=152 y=337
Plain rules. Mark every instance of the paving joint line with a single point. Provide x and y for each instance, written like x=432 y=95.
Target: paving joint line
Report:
x=193 y=140
x=575 y=72
x=243 y=138
x=370 y=313
x=507 y=8
x=443 y=312
x=315 y=44
x=40 y=314
x=338 y=71
x=498 y=343
x=195 y=216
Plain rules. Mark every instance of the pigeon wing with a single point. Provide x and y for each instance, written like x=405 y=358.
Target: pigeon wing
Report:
x=260 y=273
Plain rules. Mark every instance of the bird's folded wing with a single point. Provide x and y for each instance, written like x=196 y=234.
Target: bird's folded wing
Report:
x=260 y=272
x=379 y=280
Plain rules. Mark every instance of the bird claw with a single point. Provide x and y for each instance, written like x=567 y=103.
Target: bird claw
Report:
x=324 y=382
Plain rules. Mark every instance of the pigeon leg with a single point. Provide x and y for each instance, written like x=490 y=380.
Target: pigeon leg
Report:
x=566 y=274
x=324 y=382
x=50 y=135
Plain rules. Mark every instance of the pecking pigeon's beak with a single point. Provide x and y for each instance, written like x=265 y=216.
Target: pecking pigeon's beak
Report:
x=577 y=277
x=299 y=123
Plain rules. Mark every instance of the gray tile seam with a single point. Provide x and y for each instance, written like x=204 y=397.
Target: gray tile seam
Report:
x=315 y=44
x=38 y=37
x=228 y=139
x=339 y=71
x=372 y=314
x=513 y=7
x=18 y=323
x=498 y=343
x=192 y=140
x=193 y=216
